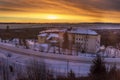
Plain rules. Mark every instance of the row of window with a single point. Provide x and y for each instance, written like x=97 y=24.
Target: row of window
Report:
x=81 y=39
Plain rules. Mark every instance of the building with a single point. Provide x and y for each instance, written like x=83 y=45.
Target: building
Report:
x=80 y=40
x=85 y=40
x=42 y=37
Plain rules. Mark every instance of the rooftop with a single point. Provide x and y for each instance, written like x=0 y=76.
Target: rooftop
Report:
x=53 y=35
x=83 y=31
x=77 y=31
x=53 y=31
x=43 y=34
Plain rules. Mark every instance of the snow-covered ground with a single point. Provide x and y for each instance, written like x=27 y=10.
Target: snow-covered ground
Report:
x=109 y=52
x=58 y=67
x=47 y=48
x=61 y=67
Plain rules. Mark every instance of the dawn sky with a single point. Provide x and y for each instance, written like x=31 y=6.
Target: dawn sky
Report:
x=43 y=11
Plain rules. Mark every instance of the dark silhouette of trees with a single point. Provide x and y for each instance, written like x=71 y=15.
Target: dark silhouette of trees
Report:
x=7 y=28
x=25 y=43
x=5 y=72
x=114 y=73
x=98 y=70
x=71 y=75
x=36 y=70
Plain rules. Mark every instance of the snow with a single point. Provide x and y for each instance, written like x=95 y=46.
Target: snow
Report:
x=52 y=35
x=3 y=56
x=80 y=31
x=110 y=52
x=80 y=67
x=58 y=67
x=102 y=47
x=43 y=34
x=7 y=44
x=44 y=45
x=53 y=30
x=83 y=31
x=53 y=41
x=105 y=51
x=30 y=42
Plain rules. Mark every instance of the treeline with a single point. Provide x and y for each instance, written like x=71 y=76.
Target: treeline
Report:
x=109 y=37
x=38 y=70
x=25 y=33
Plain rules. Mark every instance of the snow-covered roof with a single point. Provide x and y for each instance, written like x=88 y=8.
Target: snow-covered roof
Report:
x=77 y=31
x=53 y=30
x=52 y=35
x=83 y=31
x=43 y=34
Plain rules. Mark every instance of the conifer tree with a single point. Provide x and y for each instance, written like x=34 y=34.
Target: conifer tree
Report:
x=98 y=70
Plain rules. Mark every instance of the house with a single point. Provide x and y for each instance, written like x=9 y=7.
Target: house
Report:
x=42 y=37
x=48 y=37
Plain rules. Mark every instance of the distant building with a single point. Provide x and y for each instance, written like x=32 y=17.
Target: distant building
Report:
x=81 y=40
x=42 y=37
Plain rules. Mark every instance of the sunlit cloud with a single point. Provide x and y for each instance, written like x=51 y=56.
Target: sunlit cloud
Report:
x=59 y=10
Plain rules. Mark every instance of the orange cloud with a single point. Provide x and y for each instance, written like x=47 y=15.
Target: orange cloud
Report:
x=65 y=10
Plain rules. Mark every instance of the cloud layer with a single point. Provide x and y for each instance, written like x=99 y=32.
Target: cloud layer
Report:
x=91 y=8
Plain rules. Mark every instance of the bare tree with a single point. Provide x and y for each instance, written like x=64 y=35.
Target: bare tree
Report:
x=65 y=44
x=5 y=70
x=36 y=70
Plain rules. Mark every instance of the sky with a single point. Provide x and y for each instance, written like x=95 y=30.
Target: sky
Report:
x=70 y=11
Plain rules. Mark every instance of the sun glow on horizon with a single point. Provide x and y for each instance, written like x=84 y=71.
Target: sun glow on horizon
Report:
x=52 y=17
x=55 y=11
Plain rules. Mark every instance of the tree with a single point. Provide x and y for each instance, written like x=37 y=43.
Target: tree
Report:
x=65 y=44
x=5 y=73
x=25 y=43
x=36 y=70
x=71 y=75
x=114 y=73
x=7 y=28
x=98 y=69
